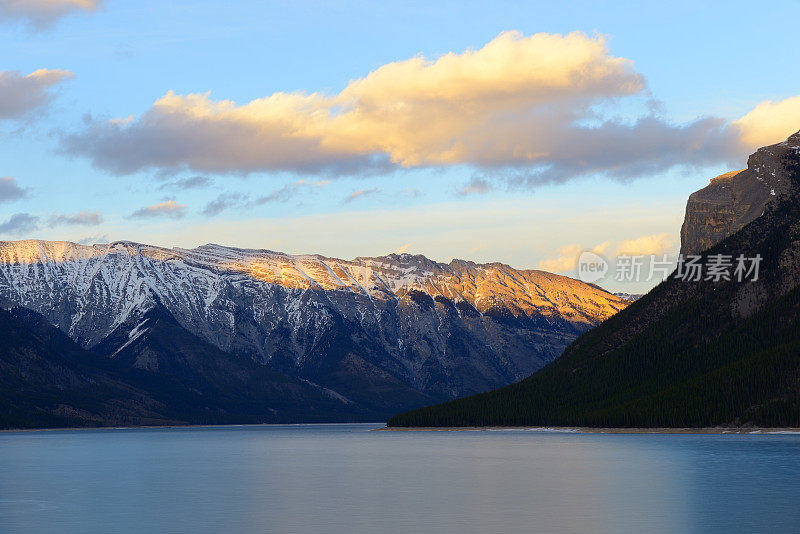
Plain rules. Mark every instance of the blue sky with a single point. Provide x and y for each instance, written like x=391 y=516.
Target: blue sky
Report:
x=696 y=59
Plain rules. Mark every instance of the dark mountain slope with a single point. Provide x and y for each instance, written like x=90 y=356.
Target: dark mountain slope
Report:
x=48 y=381
x=152 y=372
x=687 y=354
x=212 y=386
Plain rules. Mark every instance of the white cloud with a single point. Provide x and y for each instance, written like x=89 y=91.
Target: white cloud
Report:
x=41 y=13
x=169 y=209
x=20 y=94
x=647 y=244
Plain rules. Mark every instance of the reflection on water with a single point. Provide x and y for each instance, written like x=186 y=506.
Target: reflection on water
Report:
x=343 y=478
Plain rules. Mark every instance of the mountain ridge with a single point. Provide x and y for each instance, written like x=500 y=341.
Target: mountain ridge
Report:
x=371 y=330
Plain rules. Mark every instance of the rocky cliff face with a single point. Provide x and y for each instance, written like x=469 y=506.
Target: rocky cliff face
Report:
x=356 y=328
x=734 y=199
x=690 y=353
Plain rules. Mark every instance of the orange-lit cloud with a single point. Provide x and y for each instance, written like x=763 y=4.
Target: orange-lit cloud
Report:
x=648 y=244
x=361 y=193
x=523 y=105
x=567 y=259
x=491 y=106
x=169 y=209
x=43 y=12
x=770 y=122
x=21 y=94
x=455 y=109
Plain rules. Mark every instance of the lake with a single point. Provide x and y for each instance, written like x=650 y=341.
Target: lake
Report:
x=346 y=479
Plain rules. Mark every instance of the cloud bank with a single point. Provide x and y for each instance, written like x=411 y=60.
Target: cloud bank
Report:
x=21 y=94
x=523 y=105
x=41 y=13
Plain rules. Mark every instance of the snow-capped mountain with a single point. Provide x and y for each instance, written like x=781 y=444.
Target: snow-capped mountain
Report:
x=356 y=328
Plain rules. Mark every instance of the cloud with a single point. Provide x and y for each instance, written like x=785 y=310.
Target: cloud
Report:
x=20 y=223
x=9 y=190
x=83 y=218
x=194 y=182
x=224 y=202
x=647 y=245
x=228 y=201
x=476 y=186
x=403 y=248
x=289 y=191
x=567 y=259
x=491 y=106
x=20 y=94
x=41 y=13
x=625 y=151
x=94 y=239
x=770 y=122
x=168 y=209
x=524 y=107
x=361 y=193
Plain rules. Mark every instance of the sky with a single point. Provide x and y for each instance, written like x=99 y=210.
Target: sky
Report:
x=522 y=133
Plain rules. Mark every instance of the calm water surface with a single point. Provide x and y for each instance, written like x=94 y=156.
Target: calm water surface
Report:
x=345 y=479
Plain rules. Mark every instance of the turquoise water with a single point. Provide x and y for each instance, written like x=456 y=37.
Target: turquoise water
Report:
x=345 y=479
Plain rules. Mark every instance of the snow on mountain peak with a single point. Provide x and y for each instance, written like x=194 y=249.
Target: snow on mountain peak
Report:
x=101 y=285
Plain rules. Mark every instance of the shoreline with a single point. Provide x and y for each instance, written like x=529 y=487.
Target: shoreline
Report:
x=594 y=430
x=178 y=427
x=543 y=429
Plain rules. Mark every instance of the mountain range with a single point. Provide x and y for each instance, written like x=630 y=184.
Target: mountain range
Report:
x=218 y=334
x=692 y=352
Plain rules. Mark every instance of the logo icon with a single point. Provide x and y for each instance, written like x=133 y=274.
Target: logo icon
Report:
x=591 y=267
